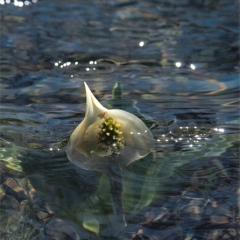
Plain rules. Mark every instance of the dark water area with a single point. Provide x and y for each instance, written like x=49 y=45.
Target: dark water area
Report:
x=177 y=63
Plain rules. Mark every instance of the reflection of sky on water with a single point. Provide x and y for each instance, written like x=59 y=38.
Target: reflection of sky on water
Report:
x=141 y=44
x=177 y=62
x=17 y=3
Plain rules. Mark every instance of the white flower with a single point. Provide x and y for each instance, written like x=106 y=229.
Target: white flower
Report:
x=106 y=135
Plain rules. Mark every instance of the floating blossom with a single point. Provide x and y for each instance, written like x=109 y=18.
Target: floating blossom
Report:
x=106 y=136
x=107 y=141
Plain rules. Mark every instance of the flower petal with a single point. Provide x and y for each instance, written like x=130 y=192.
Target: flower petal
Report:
x=106 y=135
x=94 y=107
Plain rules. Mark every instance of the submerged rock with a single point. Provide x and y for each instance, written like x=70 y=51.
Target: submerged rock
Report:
x=24 y=215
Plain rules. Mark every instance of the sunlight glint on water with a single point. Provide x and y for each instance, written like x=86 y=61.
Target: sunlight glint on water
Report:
x=177 y=69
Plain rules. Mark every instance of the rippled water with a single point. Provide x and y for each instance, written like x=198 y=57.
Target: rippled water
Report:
x=178 y=65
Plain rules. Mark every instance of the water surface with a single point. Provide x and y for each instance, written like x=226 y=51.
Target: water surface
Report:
x=178 y=65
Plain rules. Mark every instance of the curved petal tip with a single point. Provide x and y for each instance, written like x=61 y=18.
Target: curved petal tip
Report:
x=94 y=107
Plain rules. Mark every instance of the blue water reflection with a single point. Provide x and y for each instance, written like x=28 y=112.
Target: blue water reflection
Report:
x=177 y=63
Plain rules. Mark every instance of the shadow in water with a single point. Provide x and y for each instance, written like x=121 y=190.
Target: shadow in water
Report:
x=70 y=193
